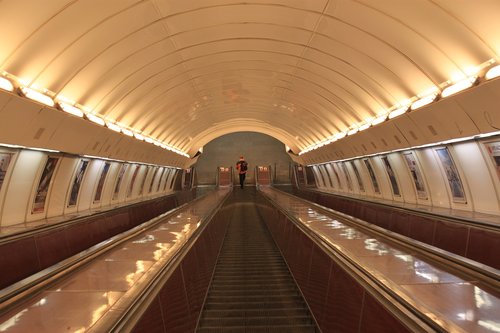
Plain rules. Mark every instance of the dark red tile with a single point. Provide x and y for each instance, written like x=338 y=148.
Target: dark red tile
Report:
x=152 y=320
x=484 y=247
x=319 y=278
x=343 y=304
x=422 y=228
x=368 y=214
x=78 y=237
x=52 y=248
x=376 y=318
x=451 y=237
x=400 y=223
x=303 y=259
x=18 y=260
x=384 y=217
x=174 y=304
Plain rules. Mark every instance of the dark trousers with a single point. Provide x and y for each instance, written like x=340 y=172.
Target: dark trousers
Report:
x=242 y=179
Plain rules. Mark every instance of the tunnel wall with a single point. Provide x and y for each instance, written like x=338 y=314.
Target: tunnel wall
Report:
x=462 y=176
x=28 y=194
x=258 y=149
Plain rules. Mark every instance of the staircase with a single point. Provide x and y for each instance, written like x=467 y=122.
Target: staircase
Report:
x=252 y=289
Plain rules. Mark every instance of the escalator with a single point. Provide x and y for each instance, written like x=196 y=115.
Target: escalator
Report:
x=252 y=289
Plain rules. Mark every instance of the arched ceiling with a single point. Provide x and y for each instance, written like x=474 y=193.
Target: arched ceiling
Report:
x=186 y=72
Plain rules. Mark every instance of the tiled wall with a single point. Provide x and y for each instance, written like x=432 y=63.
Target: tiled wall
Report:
x=258 y=149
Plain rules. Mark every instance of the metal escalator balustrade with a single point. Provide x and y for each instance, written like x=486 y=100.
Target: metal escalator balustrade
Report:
x=252 y=289
x=418 y=288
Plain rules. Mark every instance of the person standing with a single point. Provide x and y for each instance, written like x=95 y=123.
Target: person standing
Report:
x=242 y=167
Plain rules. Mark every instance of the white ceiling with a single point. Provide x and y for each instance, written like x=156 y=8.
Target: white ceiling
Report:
x=186 y=72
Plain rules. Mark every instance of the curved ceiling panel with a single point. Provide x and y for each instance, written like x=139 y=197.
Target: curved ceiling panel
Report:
x=185 y=72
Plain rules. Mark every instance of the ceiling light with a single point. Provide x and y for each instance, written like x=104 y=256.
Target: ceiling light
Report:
x=340 y=135
x=459 y=86
x=492 y=73
x=127 y=132
x=148 y=140
x=379 y=120
x=114 y=127
x=95 y=119
x=353 y=131
x=156 y=143
x=70 y=109
x=364 y=127
x=423 y=101
x=139 y=136
x=5 y=84
x=398 y=112
x=37 y=96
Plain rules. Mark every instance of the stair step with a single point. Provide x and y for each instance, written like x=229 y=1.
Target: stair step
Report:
x=255 y=321
x=260 y=329
x=253 y=305
x=227 y=313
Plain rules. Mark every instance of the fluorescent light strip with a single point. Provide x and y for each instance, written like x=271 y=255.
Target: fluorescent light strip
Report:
x=114 y=127
x=37 y=96
x=95 y=119
x=379 y=120
x=424 y=101
x=492 y=73
x=149 y=140
x=127 y=132
x=139 y=136
x=71 y=109
x=5 y=84
x=364 y=127
x=353 y=131
x=435 y=144
x=398 y=112
x=459 y=86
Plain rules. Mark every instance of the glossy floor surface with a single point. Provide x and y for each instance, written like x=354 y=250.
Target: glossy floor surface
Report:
x=102 y=288
x=456 y=303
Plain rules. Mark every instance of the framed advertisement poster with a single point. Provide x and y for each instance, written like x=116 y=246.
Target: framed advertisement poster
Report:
x=418 y=181
x=141 y=191
x=153 y=180
x=132 y=181
x=43 y=185
x=167 y=176
x=100 y=184
x=327 y=175
x=358 y=176
x=77 y=182
x=336 y=175
x=392 y=176
x=347 y=175
x=161 y=179
x=119 y=181
x=493 y=149
x=5 y=159
x=376 y=188
x=456 y=187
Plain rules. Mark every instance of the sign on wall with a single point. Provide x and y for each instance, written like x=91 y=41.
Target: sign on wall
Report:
x=5 y=159
x=456 y=187
x=75 y=188
x=494 y=151
x=376 y=188
x=100 y=184
x=119 y=181
x=43 y=186
x=358 y=176
x=418 y=181
x=392 y=177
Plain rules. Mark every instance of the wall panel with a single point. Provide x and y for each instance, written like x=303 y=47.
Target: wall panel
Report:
x=18 y=200
x=60 y=187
